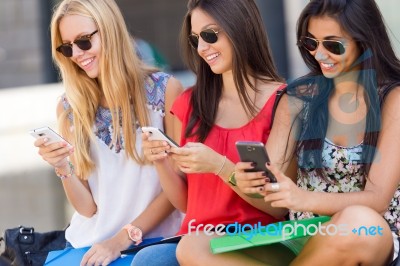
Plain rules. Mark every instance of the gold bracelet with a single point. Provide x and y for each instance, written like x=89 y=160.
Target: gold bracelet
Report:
x=64 y=176
x=222 y=166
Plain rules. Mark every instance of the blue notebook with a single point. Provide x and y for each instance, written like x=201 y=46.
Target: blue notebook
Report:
x=73 y=256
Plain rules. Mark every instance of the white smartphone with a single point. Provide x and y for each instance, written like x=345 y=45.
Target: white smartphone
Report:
x=47 y=132
x=158 y=134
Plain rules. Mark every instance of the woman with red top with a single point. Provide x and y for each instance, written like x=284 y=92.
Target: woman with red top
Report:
x=232 y=100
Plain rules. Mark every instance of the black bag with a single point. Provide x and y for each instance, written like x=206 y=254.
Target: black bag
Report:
x=24 y=247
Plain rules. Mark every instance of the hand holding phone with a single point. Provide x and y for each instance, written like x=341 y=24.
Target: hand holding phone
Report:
x=254 y=151
x=48 y=133
x=158 y=134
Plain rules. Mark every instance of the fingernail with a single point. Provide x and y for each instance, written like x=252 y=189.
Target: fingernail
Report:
x=264 y=174
x=268 y=163
x=260 y=188
x=253 y=164
x=267 y=179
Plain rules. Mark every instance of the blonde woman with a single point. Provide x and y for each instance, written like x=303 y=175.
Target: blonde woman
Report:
x=109 y=95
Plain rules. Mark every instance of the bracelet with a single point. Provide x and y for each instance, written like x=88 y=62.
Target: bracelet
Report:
x=64 y=176
x=222 y=166
x=232 y=179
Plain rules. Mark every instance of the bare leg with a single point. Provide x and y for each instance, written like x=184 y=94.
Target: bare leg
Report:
x=195 y=250
x=355 y=248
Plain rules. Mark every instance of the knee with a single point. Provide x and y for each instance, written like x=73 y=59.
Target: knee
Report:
x=360 y=226
x=184 y=251
x=193 y=250
x=367 y=234
x=358 y=215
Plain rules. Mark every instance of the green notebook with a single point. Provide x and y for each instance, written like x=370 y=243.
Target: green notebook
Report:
x=265 y=235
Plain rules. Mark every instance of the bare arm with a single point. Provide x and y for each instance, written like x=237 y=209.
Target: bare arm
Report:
x=282 y=139
x=280 y=146
x=381 y=184
x=110 y=249
x=152 y=216
x=76 y=190
x=172 y=181
x=258 y=203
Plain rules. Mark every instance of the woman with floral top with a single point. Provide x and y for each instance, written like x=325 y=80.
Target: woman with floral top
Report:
x=109 y=95
x=341 y=123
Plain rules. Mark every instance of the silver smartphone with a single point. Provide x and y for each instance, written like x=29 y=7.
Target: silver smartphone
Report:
x=47 y=132
x=254 y=151
x=158 y=134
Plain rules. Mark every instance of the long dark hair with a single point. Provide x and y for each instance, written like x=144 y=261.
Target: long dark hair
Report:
x=242 y=24
x=378 y=64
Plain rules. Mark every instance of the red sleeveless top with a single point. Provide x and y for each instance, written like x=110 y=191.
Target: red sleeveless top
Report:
x=210 y=200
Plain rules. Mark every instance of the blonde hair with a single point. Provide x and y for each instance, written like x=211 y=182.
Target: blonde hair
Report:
x=121 y=77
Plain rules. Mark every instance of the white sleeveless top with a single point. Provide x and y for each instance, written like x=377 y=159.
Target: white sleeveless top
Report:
x=121 y=188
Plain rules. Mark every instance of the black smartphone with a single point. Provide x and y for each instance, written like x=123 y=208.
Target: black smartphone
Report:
x=254 y=151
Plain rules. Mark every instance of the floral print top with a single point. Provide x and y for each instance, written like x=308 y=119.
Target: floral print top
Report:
x=344 y=174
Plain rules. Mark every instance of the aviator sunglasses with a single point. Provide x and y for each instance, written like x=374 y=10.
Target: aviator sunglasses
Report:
x=208 y=35
x=333 y=46
x=82 y=42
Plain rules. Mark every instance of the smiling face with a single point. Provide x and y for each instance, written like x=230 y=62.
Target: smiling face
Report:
x=73 y=27
x=332 y=65
x=218 y=55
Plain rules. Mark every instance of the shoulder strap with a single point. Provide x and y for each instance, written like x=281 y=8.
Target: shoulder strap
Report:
x=279 y=94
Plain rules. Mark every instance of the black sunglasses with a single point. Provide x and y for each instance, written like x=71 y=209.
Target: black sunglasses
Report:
x=208 y=35
x=333 y=46
x=82 y=42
